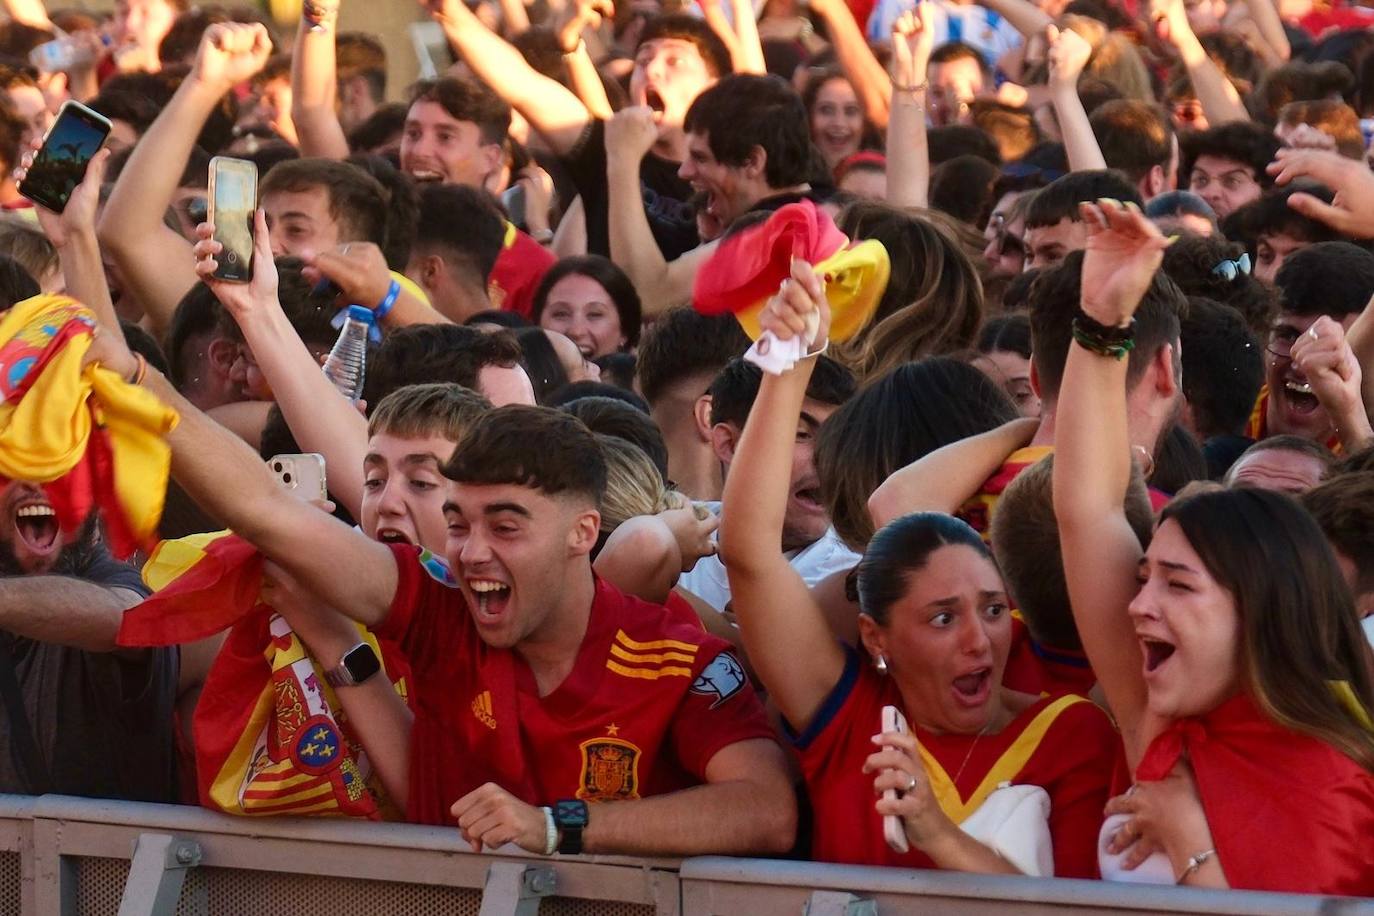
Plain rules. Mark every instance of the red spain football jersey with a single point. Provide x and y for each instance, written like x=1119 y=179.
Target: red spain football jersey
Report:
x=1036 y=669
x=649 y=702
x=519 y=267
x=1065 y=745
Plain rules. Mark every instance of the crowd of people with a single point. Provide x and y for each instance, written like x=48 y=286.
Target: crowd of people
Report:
x=929 y=435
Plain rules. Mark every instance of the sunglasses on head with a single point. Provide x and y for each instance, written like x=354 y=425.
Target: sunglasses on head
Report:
x=1231 y=269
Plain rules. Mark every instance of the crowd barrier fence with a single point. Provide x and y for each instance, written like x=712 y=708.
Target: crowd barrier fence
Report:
x=63 y=856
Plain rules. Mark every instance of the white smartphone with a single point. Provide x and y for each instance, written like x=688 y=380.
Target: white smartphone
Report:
x=893 y=830
x=302 y=474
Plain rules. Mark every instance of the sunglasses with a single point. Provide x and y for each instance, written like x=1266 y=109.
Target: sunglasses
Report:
x=1229 y=270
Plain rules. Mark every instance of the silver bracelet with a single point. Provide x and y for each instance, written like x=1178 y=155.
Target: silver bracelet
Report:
x=550 y=832
x=1194 y=863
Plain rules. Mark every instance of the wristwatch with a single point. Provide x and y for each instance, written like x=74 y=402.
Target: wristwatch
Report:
x=570 y=815
x=358 y=664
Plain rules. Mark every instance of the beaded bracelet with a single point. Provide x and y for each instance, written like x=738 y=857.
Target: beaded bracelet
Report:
x=1104 y=340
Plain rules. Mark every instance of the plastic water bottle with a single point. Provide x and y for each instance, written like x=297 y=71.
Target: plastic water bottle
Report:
x=63 y=53
x=347 y=363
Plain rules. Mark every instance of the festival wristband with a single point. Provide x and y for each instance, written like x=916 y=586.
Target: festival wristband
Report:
x=393 y=292
x=319 y=15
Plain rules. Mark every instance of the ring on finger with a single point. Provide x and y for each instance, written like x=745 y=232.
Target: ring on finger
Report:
x=1312 y=332
x=910 y=784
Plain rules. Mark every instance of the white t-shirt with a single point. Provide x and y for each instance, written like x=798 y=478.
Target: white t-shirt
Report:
x=987 y=32
x=816 y=561
x=1367 y=623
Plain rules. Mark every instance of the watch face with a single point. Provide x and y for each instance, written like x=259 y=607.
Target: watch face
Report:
x=362 y=663
x=571 y=813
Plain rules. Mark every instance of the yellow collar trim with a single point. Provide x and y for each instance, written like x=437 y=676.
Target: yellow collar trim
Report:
x=1006 y=767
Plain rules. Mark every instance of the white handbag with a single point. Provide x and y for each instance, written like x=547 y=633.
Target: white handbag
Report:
x=1154 y=870
x=1014 y=821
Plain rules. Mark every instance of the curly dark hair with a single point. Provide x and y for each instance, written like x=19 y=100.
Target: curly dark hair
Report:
x=1190 y=262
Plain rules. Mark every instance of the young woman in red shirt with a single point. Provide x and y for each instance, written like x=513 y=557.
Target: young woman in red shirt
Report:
x=987 y=780
x=1229 y=651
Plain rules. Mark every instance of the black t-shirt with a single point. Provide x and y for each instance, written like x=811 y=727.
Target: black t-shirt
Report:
x=102 y=721
x=667 y=198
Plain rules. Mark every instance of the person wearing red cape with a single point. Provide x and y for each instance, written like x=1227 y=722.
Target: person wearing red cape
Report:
x=1229 y=651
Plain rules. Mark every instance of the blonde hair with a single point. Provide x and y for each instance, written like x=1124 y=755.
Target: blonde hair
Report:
x=633 y=485
x=1114 y=60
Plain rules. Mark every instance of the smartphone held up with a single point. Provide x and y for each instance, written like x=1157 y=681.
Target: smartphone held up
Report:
x=233 y=198
x=60 y=164
x=894 y=832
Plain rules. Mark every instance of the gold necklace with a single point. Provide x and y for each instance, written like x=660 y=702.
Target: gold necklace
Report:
x=968 y=756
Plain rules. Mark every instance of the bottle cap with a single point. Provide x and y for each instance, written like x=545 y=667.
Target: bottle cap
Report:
x=361 y=313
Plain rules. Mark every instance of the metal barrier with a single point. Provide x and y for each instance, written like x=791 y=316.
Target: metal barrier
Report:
x=63 y=856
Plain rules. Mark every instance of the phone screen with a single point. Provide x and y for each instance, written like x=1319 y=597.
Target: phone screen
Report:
x=61 y=163
x=234 y=196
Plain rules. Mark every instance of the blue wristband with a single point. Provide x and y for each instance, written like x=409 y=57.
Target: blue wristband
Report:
x=388 y=302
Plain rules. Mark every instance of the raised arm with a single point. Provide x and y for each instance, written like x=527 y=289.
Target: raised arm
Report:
x=1219 y=99
x=582 y=72
x=154 y=260
x=661 y=284
x=320 y=418
x=73 y=235
x=314 y=86
x=549 y=107
x=228 y=480
x=950 y=476
x=865 y=73
x=908 y=154
x=749 y=48
x=1350 y=213
x=784 y=629
x=1068 y=55
x=29 y=12
x=1092 y=465
x=1265 y=15
x=1324 y=356
x=1024 y=16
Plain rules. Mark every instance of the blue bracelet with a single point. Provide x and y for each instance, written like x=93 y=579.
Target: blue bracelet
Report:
x=388 y=302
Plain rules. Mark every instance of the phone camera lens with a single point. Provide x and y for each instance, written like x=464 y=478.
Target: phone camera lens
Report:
x=286 y=478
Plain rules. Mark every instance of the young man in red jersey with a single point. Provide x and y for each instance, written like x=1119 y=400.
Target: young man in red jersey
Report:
x=536 y=683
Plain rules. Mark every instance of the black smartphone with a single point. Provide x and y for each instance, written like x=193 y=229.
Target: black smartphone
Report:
x=233 y=197
x=70 y=145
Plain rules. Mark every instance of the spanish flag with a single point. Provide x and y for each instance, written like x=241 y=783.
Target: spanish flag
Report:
x=270 y=735
x=91 y=439
x=749 y=266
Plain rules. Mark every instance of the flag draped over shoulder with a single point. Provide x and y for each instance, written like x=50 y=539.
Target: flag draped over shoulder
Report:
x=90 y=438
x=749 y=266
x=270 y=735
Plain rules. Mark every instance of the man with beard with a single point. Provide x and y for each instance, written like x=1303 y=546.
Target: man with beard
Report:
x=79 y=717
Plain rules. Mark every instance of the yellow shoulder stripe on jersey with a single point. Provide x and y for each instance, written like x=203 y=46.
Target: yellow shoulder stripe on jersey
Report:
x=648 y=674
x=627 y=642
x=648 y=657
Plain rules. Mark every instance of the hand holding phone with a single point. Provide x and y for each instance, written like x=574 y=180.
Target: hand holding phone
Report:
x=894 y=831
x=303 y=474
x=60 y=165
x=233 y=197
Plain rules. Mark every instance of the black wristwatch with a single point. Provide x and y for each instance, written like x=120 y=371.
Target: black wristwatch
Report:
x=570 y=816
x=358 y=664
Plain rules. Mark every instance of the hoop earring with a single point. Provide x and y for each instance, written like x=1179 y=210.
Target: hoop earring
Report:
x=880 y=663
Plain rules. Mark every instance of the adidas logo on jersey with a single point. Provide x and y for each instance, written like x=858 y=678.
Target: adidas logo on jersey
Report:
x=482 y=709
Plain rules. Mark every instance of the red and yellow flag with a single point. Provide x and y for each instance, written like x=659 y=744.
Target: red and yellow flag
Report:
x=270 y=735
x=749 y=266
x=91 y=439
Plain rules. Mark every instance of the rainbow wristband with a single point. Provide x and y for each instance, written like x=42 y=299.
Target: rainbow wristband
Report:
x=393 y=292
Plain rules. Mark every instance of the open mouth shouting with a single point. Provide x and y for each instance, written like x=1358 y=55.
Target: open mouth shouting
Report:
x=37 y=536
x=1298 y=395
x=1157 y=652
x=655 y=101
x=972 y=690
x=491 y=599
